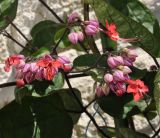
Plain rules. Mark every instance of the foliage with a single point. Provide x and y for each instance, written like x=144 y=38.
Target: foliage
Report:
x=44 y=107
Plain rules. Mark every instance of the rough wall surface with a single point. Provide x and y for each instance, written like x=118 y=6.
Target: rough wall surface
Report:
x=29 y=13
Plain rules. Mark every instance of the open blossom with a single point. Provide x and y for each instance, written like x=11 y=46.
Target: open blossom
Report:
x=44 y=68
x=137 y=88
x=114 y=35
x=13 y=60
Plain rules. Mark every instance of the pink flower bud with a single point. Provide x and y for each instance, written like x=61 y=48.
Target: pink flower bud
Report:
x=67 y=68
x=26 y=68
x=80 y=36
x=119 y=76
x=99 y=91
x=33 y=67
x=92 y=22
x=114 y=61
x=72 y=17
x=28 y=77
x=39 y=74
x=20 y=83
x=63 y=60
x=127 y=61
x=19 y=74
x=108 y=78
x=125 y=69
x=73 y=38
x=91 y=30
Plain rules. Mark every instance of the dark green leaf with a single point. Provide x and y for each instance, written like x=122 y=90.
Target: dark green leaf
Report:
x=149 y=81
x=157 y=91
x=127 y=27
x=135 y=10
x=43 y=33
x=70 y=102
x=140 y=13
x=20 y=93
x=108 y=44
x=137 y=73
x=8 y=9
x=114 y=105
x=88 y=60
x=52 y=120
x=128 y=133
x=156 y=29
x=109 y=131
x=45 y=87
x=16 y=121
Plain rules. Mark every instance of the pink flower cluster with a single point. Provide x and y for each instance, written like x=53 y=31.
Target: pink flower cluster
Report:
x=44 y=68
x=90 y=28
x=119 y=71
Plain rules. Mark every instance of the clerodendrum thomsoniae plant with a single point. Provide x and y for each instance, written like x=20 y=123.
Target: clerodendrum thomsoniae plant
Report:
x=43 y=108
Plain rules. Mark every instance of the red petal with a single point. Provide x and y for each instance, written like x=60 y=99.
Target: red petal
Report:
x=137 y=97
x=132 y=89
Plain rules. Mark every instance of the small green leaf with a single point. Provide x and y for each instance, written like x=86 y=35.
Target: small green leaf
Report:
x=8 y=9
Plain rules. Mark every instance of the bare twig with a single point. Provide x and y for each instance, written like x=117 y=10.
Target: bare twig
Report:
x=54 y=13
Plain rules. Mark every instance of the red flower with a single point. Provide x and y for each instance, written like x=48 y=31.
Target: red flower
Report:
x=49 y=68
x=138 y=88
x=111 y=31
x=114 y=35
x=13 y=60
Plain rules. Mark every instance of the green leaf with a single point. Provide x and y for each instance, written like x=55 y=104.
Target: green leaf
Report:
x=114 y=105
x=156 y=29
x=88 y=60
x=128 y=133
x=20 y=93
x=107 y=44
x=16 y=121
x=127 y=27
x=137 y=73
x=109 y=131
x=70 y=102
x=122 y=106
x=45 y=87
x=135 y=10
x=43 y=33
x=149 y=81
x=8 y=8
x=51 y=118
x=157 y=91
x=141 y=14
